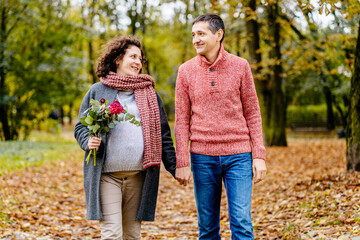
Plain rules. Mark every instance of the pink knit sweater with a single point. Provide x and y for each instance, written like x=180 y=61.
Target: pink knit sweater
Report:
x=217 y=109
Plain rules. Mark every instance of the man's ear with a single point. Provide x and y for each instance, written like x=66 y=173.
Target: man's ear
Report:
x=219 y=34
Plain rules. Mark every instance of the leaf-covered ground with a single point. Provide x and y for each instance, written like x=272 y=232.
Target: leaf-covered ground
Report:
x=306 y=195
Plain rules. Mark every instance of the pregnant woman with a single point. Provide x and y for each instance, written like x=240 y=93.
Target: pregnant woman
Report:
x=121 y=190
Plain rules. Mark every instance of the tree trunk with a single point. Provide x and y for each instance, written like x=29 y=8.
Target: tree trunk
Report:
x=62 y=115
x=133 y=15
x=142 y=20
x=88 y=21
x=69 y=113
x=342 y=114
x=353 y=127
x=330 y=120
x=3 y=95
x=142 y=17
x=275 y=132
x=253 y=43
x=91 y=62
x=5 y=122
x=185 y=32
x=253 y=38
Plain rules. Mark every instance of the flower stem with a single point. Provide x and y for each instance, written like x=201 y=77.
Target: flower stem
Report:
x=94 y=157
x=88 y=158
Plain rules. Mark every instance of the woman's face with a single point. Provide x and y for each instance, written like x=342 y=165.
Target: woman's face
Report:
x=130 y=64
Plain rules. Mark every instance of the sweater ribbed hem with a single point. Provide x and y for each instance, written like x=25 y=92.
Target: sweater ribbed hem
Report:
x=220 y=149
x=182 y=159
x=259 y=153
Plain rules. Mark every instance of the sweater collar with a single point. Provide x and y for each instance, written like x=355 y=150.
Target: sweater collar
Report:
x=220 y=58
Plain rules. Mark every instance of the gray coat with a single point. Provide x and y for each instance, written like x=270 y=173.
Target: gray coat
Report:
x=92 y=174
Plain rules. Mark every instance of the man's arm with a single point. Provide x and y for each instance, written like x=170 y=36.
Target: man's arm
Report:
x=253 y=119
x=182 y=128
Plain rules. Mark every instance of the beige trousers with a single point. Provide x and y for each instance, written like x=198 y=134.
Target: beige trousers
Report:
x=120 y=194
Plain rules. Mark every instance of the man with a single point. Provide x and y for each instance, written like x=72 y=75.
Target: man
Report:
x=217 y=109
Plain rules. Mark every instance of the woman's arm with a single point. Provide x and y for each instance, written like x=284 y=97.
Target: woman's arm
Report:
x=168 y=150
x=81 y=132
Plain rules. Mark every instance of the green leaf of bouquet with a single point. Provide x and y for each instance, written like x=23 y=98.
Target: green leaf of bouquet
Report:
x=92 y=114
x=94 y=103
x=90 y=127
x=121 y=116
x=82 y=120
x=89 y=120
x=106 y=129
x=112 y=125
x=96 y=127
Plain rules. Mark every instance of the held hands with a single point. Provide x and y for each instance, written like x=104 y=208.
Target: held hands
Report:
x=183 y=175
x=94 y=143
x=259 y=169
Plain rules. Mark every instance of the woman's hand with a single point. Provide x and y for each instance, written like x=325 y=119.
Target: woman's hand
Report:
x=94 y=143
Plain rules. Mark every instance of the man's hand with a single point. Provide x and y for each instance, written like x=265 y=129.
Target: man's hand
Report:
x=94 y=143
x=183 y=175
x=259 y=169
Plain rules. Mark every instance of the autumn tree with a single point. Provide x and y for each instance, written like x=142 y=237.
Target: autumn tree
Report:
x=11 y=15
x=353 y=129
x=38 y=69
x=243 y=39
x=275 y=130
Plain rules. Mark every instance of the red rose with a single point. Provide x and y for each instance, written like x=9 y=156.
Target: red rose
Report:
x=116 y=108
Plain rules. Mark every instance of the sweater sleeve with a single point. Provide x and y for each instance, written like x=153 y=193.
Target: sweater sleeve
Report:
x=81 y=132
x=182 y=120
x=252 y=113
x=168 y=151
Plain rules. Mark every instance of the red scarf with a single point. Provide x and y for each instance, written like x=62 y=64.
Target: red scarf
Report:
x=146 y=101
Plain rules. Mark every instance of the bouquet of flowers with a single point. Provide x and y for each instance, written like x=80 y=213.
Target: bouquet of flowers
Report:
x=101 y=117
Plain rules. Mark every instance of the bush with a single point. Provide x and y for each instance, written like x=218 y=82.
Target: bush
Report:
x=310 y=113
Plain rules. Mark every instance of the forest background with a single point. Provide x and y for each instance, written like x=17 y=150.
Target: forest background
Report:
x=302 y=54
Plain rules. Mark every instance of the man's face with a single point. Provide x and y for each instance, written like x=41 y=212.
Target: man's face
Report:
x=203 y=39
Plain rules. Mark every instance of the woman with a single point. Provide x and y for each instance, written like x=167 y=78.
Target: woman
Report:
x=121 y=190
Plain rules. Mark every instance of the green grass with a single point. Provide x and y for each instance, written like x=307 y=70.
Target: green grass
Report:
x=40 y=148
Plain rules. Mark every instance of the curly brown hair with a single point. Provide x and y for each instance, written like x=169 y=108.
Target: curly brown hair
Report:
x=115 y=50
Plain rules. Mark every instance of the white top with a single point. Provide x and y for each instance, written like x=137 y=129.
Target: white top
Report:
x=125 y=142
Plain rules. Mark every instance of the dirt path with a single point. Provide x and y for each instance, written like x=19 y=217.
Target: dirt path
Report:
x=307 y=195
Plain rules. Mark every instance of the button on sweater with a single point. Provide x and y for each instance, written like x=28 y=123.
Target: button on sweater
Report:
x=217 y=109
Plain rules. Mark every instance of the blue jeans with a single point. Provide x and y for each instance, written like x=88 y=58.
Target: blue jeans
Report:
x=208 y=173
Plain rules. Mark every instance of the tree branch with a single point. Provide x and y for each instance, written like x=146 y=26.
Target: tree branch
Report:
x=297 y=31
x=17 y=20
